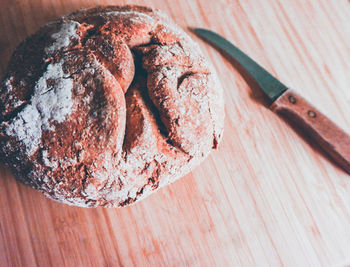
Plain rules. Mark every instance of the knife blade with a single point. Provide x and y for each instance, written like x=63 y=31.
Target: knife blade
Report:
x=289 y=104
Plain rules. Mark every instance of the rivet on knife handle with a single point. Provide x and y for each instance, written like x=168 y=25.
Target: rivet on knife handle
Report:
x=326 y=133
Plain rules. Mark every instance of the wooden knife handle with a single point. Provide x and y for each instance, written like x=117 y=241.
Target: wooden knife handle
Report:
x=331 y=138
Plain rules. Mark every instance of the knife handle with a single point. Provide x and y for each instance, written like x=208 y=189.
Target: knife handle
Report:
x=331 y=138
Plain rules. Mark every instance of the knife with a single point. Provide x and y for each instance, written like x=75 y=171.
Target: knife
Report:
x=286 y=102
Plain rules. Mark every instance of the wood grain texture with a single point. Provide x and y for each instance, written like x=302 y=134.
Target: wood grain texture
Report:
x=266 y=198
x=309 y=120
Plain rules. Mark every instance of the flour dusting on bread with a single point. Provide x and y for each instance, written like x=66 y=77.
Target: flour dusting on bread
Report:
x=49 y=103
x=64 y=36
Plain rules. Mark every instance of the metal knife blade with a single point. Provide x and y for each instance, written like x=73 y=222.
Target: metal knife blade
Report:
x=286 y=102
x=272 y=87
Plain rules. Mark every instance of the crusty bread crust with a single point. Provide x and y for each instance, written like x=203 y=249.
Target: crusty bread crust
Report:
x=105 y=105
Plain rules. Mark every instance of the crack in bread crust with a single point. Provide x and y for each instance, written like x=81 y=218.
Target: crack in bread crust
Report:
x=115 y=102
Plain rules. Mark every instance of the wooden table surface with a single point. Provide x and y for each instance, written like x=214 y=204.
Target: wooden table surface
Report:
x=266 y=198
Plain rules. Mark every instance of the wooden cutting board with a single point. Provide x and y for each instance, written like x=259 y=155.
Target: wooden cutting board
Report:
x=265 y=198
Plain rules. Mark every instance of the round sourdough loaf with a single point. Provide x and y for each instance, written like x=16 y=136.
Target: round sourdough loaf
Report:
x=105 y=105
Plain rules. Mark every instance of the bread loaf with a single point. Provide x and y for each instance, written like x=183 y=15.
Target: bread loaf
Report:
x=105 y=105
